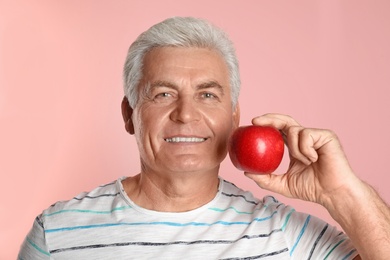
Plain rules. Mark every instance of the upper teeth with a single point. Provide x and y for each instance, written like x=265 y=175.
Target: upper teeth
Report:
x=185 y=139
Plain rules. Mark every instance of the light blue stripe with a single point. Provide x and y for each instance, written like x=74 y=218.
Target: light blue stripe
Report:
x=232 y=208
x=341 y=241
x=287 y=219
x=300 y=235
x=349 y=254
x=87 y=211
x=37 y=247
x=175 y=224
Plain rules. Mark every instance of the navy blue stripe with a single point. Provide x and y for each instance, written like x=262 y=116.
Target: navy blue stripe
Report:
x=317 y=240
x=231 y=183
x=273 y=199
x=38 y=220
x=99 y=196
x=212 y=242
x=240 y=196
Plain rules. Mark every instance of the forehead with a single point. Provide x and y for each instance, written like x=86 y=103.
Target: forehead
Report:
x=179 y=63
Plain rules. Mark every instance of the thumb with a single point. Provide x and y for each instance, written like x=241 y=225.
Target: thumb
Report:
x=270 y=182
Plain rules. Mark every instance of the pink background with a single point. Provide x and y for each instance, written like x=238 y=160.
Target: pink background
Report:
x=326 y=63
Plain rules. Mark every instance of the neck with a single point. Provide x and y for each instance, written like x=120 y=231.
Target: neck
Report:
x=176 y=194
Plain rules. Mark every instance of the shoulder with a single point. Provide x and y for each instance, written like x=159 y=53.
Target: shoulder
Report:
x=82 y=205
x=269 y=205
x=231 y=190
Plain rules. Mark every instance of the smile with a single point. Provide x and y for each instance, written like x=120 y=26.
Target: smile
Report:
x=185 y=140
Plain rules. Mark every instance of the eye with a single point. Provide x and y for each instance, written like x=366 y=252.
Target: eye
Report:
x=209 y=95
x=163 y=95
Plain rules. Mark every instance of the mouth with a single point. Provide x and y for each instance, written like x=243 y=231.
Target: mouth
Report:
x=185 y=139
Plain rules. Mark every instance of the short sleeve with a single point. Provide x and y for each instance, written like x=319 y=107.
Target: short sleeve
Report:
x=308 y=237
x=34 y=245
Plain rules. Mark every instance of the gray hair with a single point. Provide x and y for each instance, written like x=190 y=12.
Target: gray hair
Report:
x=179 y=32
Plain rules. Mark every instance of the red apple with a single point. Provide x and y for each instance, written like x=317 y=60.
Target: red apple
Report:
x=256 y=149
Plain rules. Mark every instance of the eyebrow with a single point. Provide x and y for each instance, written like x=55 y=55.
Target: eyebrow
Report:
x=161 y=83
x=212 y=84
x=204 y=85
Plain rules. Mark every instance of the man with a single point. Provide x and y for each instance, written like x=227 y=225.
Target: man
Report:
x=181 y=85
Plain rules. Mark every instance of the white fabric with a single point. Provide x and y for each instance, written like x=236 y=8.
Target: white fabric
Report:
x=106 y=224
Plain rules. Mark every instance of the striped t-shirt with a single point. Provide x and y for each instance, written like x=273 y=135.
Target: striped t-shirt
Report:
x=106 y=224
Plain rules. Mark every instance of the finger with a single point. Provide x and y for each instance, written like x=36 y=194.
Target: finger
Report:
x=315 y=139
x=308 y=138
x=294 y=144
x=279 y=121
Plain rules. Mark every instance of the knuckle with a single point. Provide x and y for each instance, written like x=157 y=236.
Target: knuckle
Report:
x=294 y=130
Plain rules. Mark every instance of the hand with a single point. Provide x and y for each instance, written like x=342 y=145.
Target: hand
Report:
x=318 y=166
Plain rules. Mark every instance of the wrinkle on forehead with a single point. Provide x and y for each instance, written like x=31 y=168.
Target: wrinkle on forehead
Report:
x=155 y=73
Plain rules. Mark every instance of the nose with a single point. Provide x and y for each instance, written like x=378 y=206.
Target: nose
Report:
x=185 y=110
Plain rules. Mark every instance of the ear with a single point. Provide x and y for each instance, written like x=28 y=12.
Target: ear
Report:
x=127 y=113
x=236 y=116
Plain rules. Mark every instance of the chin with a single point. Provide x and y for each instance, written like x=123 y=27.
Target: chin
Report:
x=191 y=166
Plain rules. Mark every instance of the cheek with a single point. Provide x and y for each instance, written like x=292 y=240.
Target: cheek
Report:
x=222 y=125
x=148 y=124
x=221 y=119
x=140 y=123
